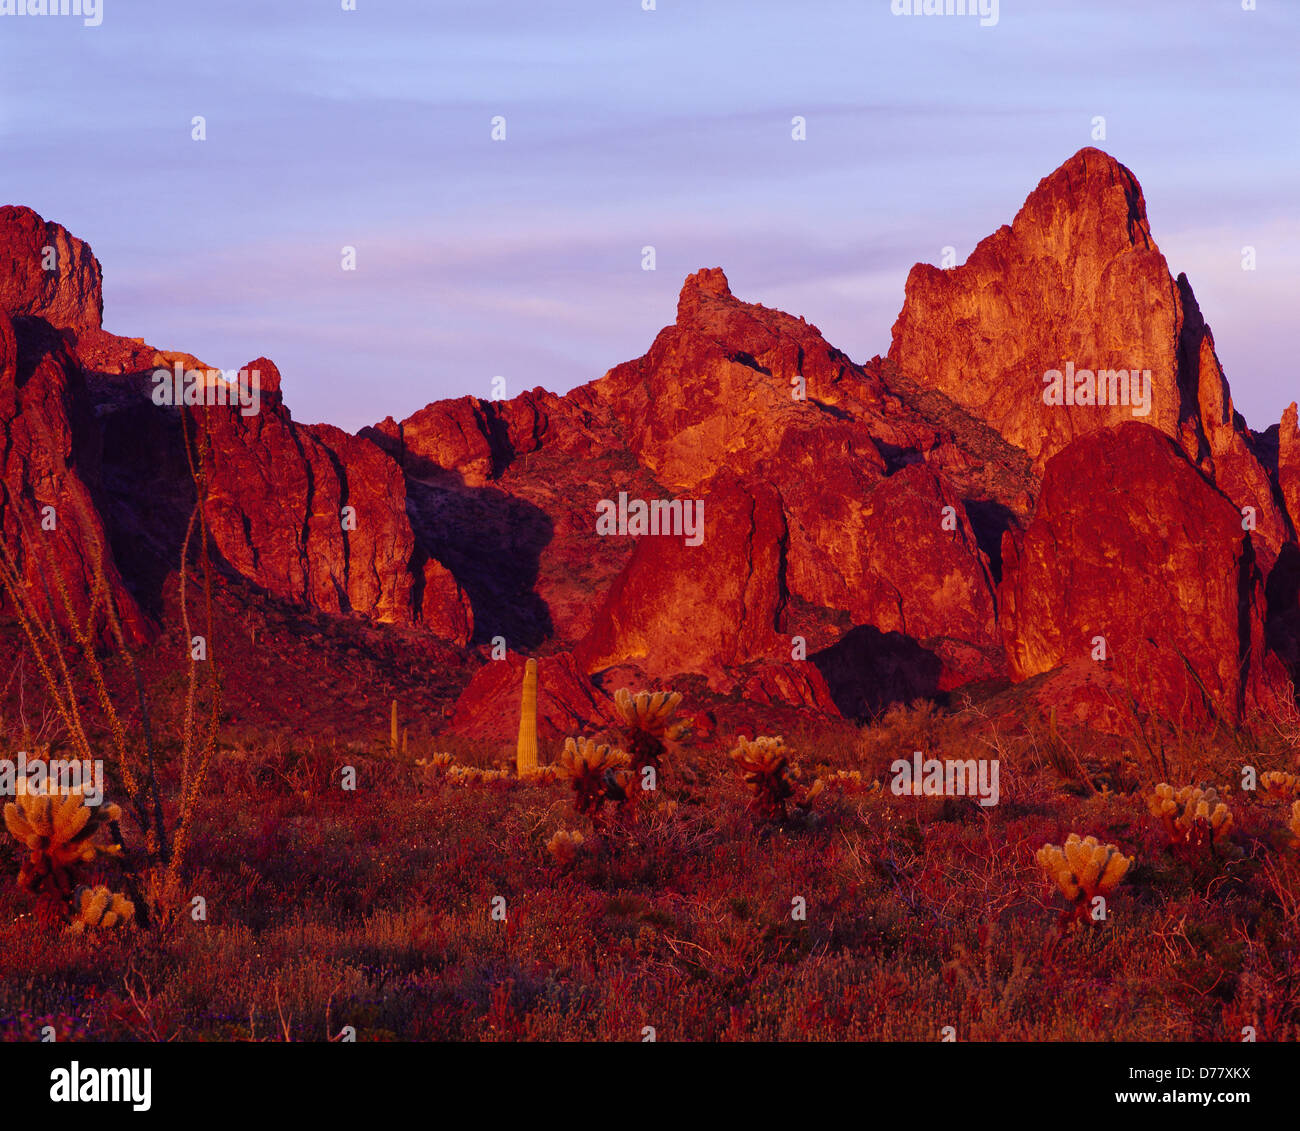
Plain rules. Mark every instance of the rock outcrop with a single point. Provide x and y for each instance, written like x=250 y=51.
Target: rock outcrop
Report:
x=1134 y=561
x=50 y=517
x=1076 y=289
x=862 y=521
x=1288 y=462
x=285 y=513
x=47 y=273
x=445 y=608
x=705 y=608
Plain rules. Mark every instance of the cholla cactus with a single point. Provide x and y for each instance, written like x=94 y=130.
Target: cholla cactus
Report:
x=473 y=775
x=1191 y=816
x=647 y=724
x=1280 y=786
x=59 y=831
x=541 y=775
x=435 y=766
x=851 y=781
x=564 y=846
x=1083 y=869
x=597 y=773
x=766 y=765
x=99 y=908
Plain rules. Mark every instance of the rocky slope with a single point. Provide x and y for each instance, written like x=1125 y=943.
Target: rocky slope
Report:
x=946 y=517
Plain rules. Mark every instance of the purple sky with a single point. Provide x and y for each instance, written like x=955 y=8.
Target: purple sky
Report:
x=625 y=128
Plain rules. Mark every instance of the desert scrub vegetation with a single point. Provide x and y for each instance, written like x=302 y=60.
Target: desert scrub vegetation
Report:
x=915 y=920
x=60 y=833
x=1278 y=785
x=372 y=908
x=647 y=725
x=62 y=837
x=98 y=908
x=564 y=846
x=436 y=765
x=597 y=774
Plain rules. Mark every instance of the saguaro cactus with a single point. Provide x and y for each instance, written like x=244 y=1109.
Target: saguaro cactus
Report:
x=526 y=754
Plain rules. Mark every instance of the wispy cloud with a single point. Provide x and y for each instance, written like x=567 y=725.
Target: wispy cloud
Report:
x=625 y=128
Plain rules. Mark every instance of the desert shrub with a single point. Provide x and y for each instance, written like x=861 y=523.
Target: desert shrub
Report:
x=477 y=775
x=435 y=765
x=914 y=726
x=850 y=781
x=564 y=846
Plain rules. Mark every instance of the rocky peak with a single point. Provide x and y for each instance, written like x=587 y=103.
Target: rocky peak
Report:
x=1091 y=196
x=47 y=273
x=268 y=377
x=704 y=284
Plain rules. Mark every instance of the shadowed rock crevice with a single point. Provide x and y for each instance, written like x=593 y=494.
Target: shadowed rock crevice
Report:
x=492 y=543
x=869 y=671
x=990 y=520
x=1283 y=625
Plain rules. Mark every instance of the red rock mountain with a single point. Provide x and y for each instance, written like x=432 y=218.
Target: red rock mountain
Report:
x=870 y=532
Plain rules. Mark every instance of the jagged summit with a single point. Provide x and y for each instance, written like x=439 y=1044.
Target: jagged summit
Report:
x=1091 y=189
x=707 y=281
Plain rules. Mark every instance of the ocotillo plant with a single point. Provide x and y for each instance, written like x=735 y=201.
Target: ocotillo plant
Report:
x=526 y=753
